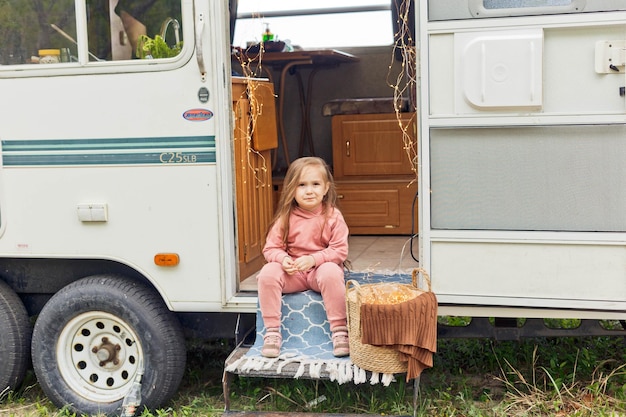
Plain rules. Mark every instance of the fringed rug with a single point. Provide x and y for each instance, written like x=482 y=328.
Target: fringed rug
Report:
x=307 y=339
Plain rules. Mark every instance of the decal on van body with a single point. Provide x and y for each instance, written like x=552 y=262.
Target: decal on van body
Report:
x=197 y=115
x=109 y=151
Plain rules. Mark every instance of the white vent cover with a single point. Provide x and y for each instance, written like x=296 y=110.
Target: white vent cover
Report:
x=498 y=70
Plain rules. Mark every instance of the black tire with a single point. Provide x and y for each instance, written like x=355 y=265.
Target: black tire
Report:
x=92 y=337
x=14 y=340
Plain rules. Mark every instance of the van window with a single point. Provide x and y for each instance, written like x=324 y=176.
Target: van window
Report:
x=125 y=29
x=322 y=24
x=45 y=31
x=27 y=28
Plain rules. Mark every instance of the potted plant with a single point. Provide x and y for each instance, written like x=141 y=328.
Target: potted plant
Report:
x=148 y=47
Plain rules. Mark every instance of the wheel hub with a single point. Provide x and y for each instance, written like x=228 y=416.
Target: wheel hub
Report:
x=107 y=352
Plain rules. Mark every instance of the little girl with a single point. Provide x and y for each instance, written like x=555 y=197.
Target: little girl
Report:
x=305 y=248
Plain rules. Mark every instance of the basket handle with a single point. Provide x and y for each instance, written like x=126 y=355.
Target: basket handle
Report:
x=426 y=277
x=357 y=291
x=357 y=288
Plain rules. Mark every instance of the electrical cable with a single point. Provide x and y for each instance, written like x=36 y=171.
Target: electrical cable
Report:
x=413 y=235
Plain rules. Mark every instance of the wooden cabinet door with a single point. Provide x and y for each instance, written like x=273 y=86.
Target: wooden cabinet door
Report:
x=369 y=145
x=253 y=182
x=263 y=107
x=255 y=213
x=244 y=199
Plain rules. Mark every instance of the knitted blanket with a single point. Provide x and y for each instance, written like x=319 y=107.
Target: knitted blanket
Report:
x=307 y=340
x=409 y=328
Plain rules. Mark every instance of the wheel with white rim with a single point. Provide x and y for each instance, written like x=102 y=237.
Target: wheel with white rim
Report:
x=94 y=336
x=99 y=353
x=14 y=340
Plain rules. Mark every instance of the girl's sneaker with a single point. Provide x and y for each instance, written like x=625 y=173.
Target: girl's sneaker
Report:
x=271 y=343
x=341 y=347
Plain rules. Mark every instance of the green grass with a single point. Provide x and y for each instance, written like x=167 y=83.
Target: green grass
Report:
x=471 y=377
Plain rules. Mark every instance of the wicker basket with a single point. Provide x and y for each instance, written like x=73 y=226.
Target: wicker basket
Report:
x=369 y=357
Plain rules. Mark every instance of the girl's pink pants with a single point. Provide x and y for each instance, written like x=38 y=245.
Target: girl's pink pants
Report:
x=327 y=279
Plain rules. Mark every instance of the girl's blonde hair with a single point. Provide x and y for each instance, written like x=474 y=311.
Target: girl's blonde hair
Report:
x=287 y=200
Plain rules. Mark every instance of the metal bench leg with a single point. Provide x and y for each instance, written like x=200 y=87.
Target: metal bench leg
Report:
x=416 y=389
x=226 y=380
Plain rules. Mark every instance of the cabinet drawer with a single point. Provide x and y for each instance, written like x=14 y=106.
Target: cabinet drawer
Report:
x=369 y=208
x=378 y=207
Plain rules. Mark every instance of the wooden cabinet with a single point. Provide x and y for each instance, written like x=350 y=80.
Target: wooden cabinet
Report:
x=377 y=206
x=369 y=145
x=375 y=183
x=255 y=134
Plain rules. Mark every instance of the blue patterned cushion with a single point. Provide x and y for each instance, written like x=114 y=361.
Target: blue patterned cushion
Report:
x=305 y=328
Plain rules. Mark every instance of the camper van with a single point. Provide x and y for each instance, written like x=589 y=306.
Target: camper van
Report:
x=143 y=145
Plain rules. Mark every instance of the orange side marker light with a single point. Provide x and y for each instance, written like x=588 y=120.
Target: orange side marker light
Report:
x=166 y=259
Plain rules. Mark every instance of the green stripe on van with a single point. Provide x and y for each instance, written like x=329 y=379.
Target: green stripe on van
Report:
x=113 y=151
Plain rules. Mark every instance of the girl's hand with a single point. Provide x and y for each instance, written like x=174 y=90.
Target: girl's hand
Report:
x=289 y=266
x=304 y=263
